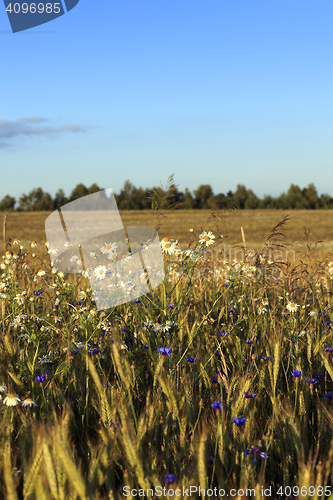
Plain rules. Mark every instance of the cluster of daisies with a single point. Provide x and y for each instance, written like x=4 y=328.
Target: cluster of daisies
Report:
x=14 y=400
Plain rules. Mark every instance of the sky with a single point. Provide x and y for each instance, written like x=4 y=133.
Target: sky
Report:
x=219 y=92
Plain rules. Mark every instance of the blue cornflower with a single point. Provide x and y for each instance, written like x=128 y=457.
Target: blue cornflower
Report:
x=297 y=374
x=217 y=405
x=222 y=334
x=171 y=306
x=316 y=375
x=255 y=452
x=327 y=395
x=123 y=330
x=40 y=378
x=249 y=342
x=328 y=349
x=312 y=381
x=170 y=478
x=248 y=396
x=267 y=358
x=214 y=380
x=144 y=346
x=239 y=421
x=191 y=359
x=164 y=350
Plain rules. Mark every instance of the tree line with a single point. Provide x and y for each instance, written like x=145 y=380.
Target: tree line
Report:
x=132 y=198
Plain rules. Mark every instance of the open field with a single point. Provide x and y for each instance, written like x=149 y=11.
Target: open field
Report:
x=176 y=224
x=217 y=382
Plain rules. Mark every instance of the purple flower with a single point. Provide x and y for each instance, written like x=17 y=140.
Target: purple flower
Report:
x=191 y=359
x=222 y=334
x=328 y=349
x=171 y=306
x=239 y=421
x=248 y=396
x=317 y=375
x=164 y=350
x=217 y=405
x=214 y=380
x=249 y=342
x=170 y=478
x=297 y=373
x=312 y=381
x=255 y=452
x=267 y=358
x=40 y=378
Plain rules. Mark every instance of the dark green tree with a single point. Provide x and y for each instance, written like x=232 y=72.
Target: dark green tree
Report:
x=202 y=194
x=7 y=203
x=36 y=201
x=60 y=199
x=311 y=196
x=78 y=192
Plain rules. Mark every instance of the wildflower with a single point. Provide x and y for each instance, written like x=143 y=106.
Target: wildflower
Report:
x=82 y=295
x=74 y=258
x=267 y=358
x=191 y=359
x=41 y=273
x=255 y=452
x=108 y=248
x=170 y=478
x=316 y=375
x=40 y=378
x=20 y=298
x=248 y=396
x=312 y=381
x=53 y=251
x=297 y=374
x=164 y=350
x=239 y=421
x=207 y=238
x=262 y=309
x=100 y=272
x=28 y=402
x=292 y=307
x=3 y=295
x=47 y=244
x=312 y=313
x=249 y=342
x=3 y=265
x=168 y=246
x=217 y=405
x=11 y=400
x=34 y=244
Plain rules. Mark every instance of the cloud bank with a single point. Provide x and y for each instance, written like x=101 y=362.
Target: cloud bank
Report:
x=29 y=127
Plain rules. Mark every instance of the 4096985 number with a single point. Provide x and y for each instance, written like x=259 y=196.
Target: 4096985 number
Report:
x=34 y=8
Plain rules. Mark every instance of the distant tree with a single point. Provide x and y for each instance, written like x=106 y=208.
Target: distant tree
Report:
x=326 y=201
x=78 y=192
x=240 y=196
x=36 y=201
x=202 y=194
x=188 y=201
x=267 y=202
x=60 y=199
x=252 y=201
x=93 y=189
x=7 y=203
x=295 y=197
x=311 y=196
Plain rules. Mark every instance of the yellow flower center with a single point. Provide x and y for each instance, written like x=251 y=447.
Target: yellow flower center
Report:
x=292 y=305
x=167 y=245
x=28 y=399
x=165 y=239
x=12 y=396
x=101 y=271
x=206 y=238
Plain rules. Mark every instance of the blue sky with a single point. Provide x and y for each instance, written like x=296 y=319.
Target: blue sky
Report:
x=219 y=92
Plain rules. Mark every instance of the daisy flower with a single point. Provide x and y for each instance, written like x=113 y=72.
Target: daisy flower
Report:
x=108 y=248
x=34 y=244
x=67 y=244
x=16 y=241
x=11 y=400
x=100 y=272
x=20 y=298
x=292 y=307
x=22 y=247
x=207 y=238
x=82 y=295
x=2 y=388
x=53 y=251
x=73 y=259
x=41 y=273
x=313 y=313
x=262 y=310
x=47 y=244
x=3 y=265
x=168 y=246
x=28 y=402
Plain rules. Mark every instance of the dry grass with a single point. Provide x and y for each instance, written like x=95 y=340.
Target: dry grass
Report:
x=176 y=224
